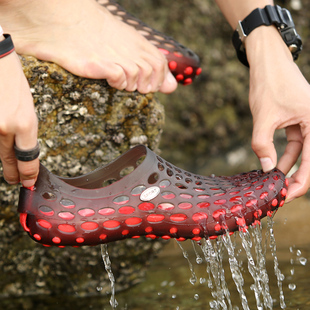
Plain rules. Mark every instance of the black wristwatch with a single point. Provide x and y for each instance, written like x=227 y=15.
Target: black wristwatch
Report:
x=269 y=15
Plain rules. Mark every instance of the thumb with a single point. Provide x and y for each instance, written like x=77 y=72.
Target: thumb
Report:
x=263 y=146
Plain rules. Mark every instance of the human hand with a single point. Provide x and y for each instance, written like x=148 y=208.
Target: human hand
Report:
x=279 y=98
x=18 y=122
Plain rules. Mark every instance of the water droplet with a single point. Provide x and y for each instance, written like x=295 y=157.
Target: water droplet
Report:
x=292 y=271
x=99 y=288
x=159 y=293
x=202 y=280
x=172 y=283
x=292 y=286
x=303 y=261
x=164 y=283
x=199 y=260
x=298 y=253
x=196 y=296
x=174 y=296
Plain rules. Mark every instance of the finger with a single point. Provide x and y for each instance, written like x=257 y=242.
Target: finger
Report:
x=9 y=162
x=25 y=140
x=262 y=145
x=300 y=181
x=290 y=156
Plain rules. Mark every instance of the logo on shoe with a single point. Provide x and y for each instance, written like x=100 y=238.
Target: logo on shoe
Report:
x=150 y=193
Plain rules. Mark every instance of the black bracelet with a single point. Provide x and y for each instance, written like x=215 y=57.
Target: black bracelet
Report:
x=6 y=46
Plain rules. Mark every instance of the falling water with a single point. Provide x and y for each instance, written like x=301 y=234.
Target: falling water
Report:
x=277 y=271
x=235 y=270
x=193 y=278
x=213 y=254
x=214 y=259
x=108 y=268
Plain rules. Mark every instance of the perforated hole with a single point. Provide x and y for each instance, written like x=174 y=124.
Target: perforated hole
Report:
x=66 y=228
x=220 y=201
x=160 y=167
x=126 y=210
x=49 y=196
x=44 y=223
x=133 y=221
x=236 y=209
x=146 y=206
x=138 y=190
x=199 y=189
x=160 y=159
x=178 y=177
x=164 y=183
x=108 y=182
x=218 y=213
x=169 y=172
x=251 y=203
x=46 y=210
x=66 y=215
x=200 y=216
x=140 y=160
x=168 y=195
x=111 y=224
x=186 y=196
x=126 y=171
x=188 y=180
x=248 y=194
x=90 y=226
x=185 y=205
x=203 y=205
x=155 y=218
x=153 y=178
x=178 y=217
x=67 y=203
x=121 y=200
x=203 y=196
x=180 y=186
x=86 y=212
x=169 y=165
x=106 y=211
x=166 y=206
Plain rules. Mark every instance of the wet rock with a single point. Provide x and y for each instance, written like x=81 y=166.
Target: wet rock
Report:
x=82 y=124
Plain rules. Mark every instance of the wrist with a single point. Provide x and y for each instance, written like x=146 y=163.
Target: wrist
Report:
x=265 y=43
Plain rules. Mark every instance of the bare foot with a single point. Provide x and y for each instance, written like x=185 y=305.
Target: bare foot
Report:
x=86 y=39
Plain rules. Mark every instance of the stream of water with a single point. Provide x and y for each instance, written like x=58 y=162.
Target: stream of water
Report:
x=246 y=247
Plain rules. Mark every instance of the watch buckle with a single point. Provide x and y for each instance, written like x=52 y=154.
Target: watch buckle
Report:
x=240 y=31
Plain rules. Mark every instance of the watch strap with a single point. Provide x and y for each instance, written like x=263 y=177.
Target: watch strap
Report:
x=269 y=15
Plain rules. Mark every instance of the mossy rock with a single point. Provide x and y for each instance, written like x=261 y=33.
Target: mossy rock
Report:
x=83 y=124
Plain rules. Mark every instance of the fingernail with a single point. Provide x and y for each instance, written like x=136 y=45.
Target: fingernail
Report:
x=12 y=182
x=170 y=78
x=266 y=163
x=149 y=88
x=28 y=183
x=124 y=85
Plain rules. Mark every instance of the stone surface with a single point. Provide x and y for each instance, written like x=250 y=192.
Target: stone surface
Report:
x=82 y=124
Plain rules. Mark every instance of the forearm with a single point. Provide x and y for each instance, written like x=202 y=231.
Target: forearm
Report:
x=235 y=10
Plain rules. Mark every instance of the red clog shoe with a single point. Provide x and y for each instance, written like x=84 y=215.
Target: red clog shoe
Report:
x=183 y=63
x=156 y=199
